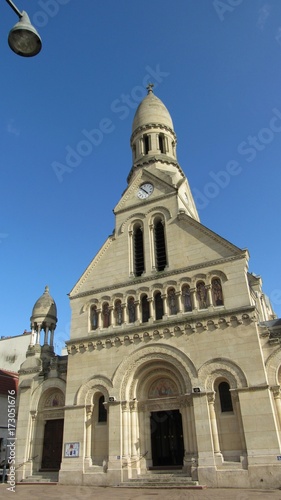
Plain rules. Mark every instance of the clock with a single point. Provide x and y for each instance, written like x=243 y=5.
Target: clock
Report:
x=145 y=190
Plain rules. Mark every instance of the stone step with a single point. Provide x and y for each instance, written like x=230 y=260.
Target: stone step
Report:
x=42 y=477
x=162 y=480
x=169 y=485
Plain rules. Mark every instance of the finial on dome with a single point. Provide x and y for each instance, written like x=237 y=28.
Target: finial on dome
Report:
x=46 y=289
x=150 y=88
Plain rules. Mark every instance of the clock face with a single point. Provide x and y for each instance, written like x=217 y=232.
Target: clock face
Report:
x=145 y=190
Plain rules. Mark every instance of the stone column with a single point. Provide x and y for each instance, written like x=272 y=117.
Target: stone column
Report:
x=193 y=298
x=152 y=247
x=126 y=429
x=52 y=337
x=151 y=309
x=137 y=311
x=89 y=424
x=46 y=331
x=131 y=254
x=33 y=337
x=38 y=333
x=165 y=306
x=277 y=400
x=209 y=295
x=186 y=437
x=30 y=439
x=134 y=428
x=213 y=421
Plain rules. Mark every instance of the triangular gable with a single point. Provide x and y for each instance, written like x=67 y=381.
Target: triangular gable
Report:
x=77 y=287
x=161 y=187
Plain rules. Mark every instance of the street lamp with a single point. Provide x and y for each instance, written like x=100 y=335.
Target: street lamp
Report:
x=23 y=38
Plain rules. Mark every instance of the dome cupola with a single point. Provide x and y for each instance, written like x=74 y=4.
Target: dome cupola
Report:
x=153 y=137
x=44 y=317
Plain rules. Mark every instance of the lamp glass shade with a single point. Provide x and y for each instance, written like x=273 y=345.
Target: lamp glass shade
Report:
x=23 y=38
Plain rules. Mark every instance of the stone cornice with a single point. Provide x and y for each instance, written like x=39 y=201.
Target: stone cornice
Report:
x=186 y=324
x=147 y=160
x=157 y=276
x=253 y=388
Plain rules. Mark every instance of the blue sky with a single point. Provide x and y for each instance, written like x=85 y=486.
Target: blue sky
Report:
x=217 y=67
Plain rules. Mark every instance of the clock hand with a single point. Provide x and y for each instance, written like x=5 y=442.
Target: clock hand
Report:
x=144 y=190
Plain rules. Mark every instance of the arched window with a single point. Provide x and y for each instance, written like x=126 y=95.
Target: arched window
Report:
x=201 y=293
x=138 y=251
x=131 y=310
x=106 y=315
x=102 y=416
x=159 y=310
x=144 y=309
x=225 y=397
x=146 y=143
x=186 y=298
x=162 y=145
x=160 y=246
x=217 y=292
x=94 y=318
x=172 y=301
x=118 y=312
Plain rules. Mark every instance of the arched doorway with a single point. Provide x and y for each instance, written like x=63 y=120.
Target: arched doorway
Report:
x=157 y=379
x=52 y=445
x=52 y=418
x=167 y=448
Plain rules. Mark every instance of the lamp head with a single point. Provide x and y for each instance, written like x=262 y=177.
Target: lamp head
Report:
x=23 y=38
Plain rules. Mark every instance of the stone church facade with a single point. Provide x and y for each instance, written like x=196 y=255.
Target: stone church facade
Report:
x=174 y=355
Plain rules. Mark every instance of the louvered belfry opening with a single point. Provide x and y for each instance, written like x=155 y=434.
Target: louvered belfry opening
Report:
x=160 y=247
x=138 y=251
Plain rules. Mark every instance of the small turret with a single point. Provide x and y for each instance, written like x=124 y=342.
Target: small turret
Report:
x=44 y=317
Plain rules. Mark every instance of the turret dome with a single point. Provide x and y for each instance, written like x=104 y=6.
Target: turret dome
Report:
x=151 y=111
x=45 y=308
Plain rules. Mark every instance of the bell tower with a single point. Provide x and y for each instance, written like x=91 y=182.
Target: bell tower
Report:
x=153 y=143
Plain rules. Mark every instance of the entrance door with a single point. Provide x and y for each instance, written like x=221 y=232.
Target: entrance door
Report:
x=52 y=446
x=166 y=438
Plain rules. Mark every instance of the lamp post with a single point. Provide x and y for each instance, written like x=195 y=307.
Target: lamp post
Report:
x=23 y=38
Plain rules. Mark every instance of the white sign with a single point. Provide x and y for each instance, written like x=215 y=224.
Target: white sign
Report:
x=71 y=450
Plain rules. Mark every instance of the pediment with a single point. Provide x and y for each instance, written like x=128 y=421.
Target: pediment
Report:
x=162 y=187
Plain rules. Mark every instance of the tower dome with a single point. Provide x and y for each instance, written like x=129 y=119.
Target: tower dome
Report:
x=153 y=137
x=45 y=307
x=151 y=111
x=44 y=317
